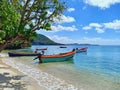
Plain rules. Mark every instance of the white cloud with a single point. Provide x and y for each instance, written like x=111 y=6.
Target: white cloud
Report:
x=59 y=39
x=89 y=40
x=91 y=26
x=100 y=41
x=113 y=25
x=60 y=28
x=99 y=30
x=95 y=40
x=95 y=25
x=87 y=28
x=103 y=4
x=64 y=19
x=101 y=27
x=71 y=9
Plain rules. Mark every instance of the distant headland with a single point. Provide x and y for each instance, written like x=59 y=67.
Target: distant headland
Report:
x=44 y=40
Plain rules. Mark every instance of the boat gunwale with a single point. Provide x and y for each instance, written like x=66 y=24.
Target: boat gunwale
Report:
x=59 y=55
x=85 y=48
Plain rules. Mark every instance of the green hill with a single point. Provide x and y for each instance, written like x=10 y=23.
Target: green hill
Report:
x=43 y=40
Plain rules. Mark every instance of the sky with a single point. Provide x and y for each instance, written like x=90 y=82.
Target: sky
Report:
x=88 y=22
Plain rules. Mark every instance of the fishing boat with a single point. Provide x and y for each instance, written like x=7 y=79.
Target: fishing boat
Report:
x=81 y=49
x=63 y=47
x=57 y=57
x=17 y=54
x=41 y=49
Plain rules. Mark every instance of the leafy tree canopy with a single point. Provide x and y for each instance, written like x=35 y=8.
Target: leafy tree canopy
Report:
x=19 y=19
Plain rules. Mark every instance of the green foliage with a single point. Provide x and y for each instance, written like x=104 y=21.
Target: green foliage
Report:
x=2 y=34
x=23 y=17
x=33 y=36
x=9 y=19
x=47 y=26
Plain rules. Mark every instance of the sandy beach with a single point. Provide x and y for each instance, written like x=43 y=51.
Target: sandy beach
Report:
x=27 y=77
x=12 y=79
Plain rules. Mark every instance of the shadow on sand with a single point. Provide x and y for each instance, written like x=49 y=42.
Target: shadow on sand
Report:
x=8 y=81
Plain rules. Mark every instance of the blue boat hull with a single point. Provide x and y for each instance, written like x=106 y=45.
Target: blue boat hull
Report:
x=13 y=54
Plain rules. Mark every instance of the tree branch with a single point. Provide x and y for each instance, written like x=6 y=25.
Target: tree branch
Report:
x=23 y=13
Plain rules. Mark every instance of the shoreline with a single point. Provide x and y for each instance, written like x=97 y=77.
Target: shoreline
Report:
x=62 y=75
x=43 y=79
x=12 y=79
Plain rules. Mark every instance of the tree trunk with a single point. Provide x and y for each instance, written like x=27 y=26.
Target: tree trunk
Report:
x=2 y=46
x=8 y=42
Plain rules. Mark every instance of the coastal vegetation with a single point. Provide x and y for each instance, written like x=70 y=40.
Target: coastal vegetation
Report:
x=19 y=19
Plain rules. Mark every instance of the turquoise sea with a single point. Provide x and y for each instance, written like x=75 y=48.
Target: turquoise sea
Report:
x=96 y=69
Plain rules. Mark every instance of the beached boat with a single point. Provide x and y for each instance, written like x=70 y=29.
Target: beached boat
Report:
x=57 y=57
x=81 y=50
x=17 y=54
x=41 y=49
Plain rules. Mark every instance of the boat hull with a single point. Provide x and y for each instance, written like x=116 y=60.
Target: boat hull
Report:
x=63 y=47
x=41 y=49
x=58 y=58
x=82 y=50
x=14 y=54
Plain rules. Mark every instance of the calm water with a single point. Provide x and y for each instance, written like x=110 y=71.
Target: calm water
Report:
x=99 y=64
x=98 y=58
